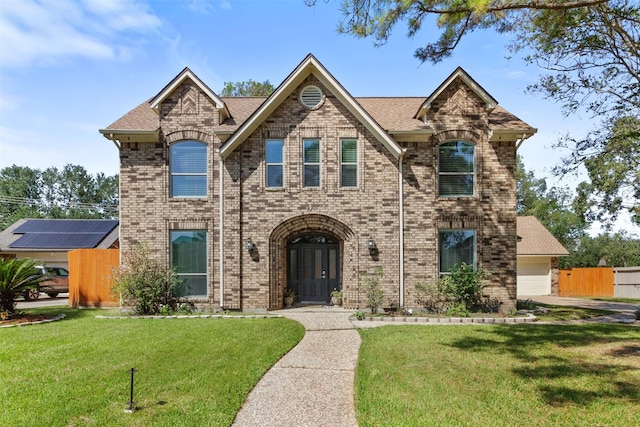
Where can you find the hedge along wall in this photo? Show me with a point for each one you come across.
(90, 277)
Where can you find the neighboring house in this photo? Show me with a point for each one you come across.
(49, 240)
(538, 254)
(311, 189)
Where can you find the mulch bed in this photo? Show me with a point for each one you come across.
(26, 318)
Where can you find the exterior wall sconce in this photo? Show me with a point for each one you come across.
(371, 245)
(250, 245)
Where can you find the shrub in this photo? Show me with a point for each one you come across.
(16, 276)
(429, 296)
(373, 290)
(145, 283)
(463, 285)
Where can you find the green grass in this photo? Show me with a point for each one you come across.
(190, 372)
(564, 313)
(618, 299)
(530, 375)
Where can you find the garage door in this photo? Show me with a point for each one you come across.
(534, 277)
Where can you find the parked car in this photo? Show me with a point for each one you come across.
(57, 282)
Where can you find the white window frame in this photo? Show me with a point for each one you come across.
(305, 163)
(453, 230)
(175, 174)
(356, 163)
(206, 273)
(472, 173)
(267, 164)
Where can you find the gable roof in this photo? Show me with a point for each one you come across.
(385, 116)
(310, 65)
(489, 101)
(177, 81)
(535, 239)
(59, 234)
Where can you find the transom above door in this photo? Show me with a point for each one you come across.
(313, 267)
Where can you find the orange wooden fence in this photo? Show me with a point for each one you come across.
(586, 282)
(90, 277)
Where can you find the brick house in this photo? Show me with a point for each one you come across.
(311, 189)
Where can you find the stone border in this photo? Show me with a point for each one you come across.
(449, 320)
(38, 322)
(198, 316)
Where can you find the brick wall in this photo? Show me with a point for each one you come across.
(270, 217)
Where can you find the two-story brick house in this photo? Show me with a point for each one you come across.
(311, 189)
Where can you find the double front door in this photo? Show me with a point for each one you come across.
(313, 268)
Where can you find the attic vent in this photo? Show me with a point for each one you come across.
(311, 97)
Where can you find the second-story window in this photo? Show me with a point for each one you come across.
(456, 169)
(311, 162)
(275, 162)
(349, 163)
(188, 164)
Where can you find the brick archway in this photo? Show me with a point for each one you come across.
(291, 228)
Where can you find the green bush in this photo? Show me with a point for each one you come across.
(16, 276)
(463, 285)
(456, 294)
(373, 290)
(144, 283)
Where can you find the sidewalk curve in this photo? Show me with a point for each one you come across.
(312, 385)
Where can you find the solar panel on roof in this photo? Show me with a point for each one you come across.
(58, 240)
(66, 226)
(62, 234)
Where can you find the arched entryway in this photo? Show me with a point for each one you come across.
(307, 255)
(313, 267)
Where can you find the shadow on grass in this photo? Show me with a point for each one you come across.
(70, 313)
(549, 359)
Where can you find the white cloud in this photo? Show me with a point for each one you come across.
(37, 33)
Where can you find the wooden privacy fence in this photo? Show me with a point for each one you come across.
(90, 277)
(586, 282)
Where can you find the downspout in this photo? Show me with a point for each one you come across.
(221, 227)
(401, 224)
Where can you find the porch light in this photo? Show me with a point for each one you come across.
(371, 245)
(250, 245)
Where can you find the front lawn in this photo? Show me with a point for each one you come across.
(190, 372)
(529, 375)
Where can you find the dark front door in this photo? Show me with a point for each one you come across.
(313, 268)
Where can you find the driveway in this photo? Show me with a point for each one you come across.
(583, 302)
(44, 301)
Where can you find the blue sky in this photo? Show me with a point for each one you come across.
(71, 67)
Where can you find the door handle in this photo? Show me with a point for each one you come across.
(324, 274)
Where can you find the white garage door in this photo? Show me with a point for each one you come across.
(534, 276)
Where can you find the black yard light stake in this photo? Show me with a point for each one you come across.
(132, 404)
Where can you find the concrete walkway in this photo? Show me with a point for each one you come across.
(312, 385)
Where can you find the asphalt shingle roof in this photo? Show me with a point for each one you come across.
(535, 239)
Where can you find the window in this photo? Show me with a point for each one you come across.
(349, 163)
(189, 258)
(456, 247)
(275, 162)
(188, 169)
(311, 161)
(456, 169)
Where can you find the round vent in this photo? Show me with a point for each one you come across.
(311, 97)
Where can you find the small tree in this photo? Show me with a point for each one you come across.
(373, 290)
(16, 276)
(463, 285)
(144, 283)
